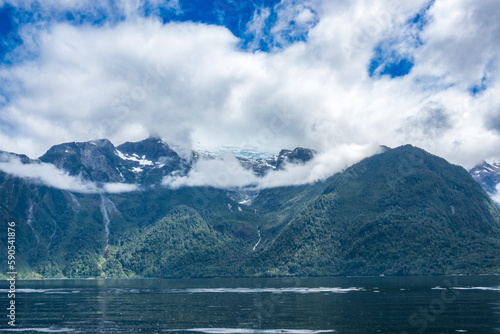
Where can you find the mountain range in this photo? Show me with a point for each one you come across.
(402, 211)
(148, 161)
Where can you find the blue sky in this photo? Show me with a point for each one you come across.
(235, 15)
(342, 77)
(232, 14)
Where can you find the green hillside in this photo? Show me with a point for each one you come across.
(401, 212)
(404, 212)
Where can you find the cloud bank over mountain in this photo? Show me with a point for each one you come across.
(49, 175)
(320, 74)
(226, 172)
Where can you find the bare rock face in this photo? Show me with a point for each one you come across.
(153, 149)
(298, 156)
(144, 162)
(95, 160)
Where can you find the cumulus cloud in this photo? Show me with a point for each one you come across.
(49, 175)
(194, 86)
(227, 172)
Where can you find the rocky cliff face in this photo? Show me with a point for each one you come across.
(93, 161)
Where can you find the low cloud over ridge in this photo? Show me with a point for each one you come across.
(194, 85)
(227, 172)
(47, 174)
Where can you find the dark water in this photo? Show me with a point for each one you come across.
(308, 305)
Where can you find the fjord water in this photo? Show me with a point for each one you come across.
(455, 304)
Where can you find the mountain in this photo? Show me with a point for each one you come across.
(151, 160)
(488, 175)
(148, 161)
(96, 160)
(261, 164)
(403, 212)
(144, 162)
(6, 156)
(400, 212)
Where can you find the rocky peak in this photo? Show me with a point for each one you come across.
(94, 160)
(7, 156)
(299, 155)
(153, 149)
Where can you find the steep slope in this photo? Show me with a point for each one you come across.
(181, 244)
(403, 212)
(144, 162)
(57, 233)
(60, 234)
(94, 161)
(151, 160)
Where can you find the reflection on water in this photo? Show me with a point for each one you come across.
(193, 290)
(285, 305)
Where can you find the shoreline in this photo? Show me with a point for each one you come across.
(222, 278)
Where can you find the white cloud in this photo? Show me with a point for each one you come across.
(460, 43)
(227, 172)
(496, 196)
(51, 176)
(193, 86)
(305, 16)
(220, 173)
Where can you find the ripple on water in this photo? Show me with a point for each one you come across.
(39, 330)
(250, 331)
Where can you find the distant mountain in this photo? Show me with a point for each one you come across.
(7, 156)
(151, 149)
(261, 166)
(401, 212)
(488, 175)
(95, 161)
(151, 160)
(148, 161)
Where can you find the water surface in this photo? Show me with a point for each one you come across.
(464, 304)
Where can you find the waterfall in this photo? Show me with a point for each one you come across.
(76, 205)
(258, 242)
(29, 220)
(104, 211)
(52, 237)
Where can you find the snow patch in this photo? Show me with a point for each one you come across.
(134, 157)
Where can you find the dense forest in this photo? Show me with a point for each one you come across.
(401, 212)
